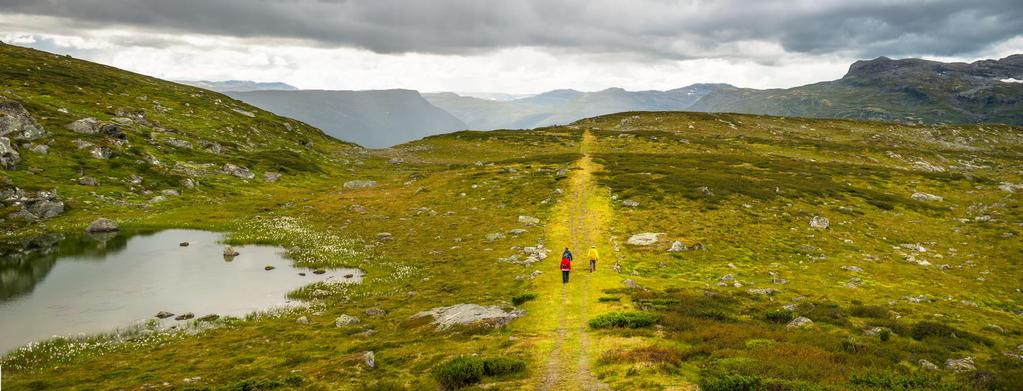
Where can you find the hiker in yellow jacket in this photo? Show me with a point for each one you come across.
(592, 255)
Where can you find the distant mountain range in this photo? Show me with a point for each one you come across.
(909, 90)
(238, 85)
(375, 119)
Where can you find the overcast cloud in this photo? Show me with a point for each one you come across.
(513, 46)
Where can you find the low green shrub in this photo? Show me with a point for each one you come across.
(465, 371)
(626, 319)
(459, 372)
(779, 316)
(731, 382)
(522, 298)
(605, 299)
(869, 311)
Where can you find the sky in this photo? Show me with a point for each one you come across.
(520, 46)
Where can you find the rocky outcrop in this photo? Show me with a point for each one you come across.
(9, 157)
(469, 314)
(819, 222)
(17, 123)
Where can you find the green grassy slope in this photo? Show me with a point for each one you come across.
(170, 133)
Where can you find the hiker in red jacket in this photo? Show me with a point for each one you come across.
(566, 266)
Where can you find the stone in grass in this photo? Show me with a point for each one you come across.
(926, 197)
(528, 220)
(185, 316)
(801, 322)
(643, 239)
(630, 203)
(230, 252)
(375, 311)
(630, 283)
(466, 314)
(302, 320)
(345, 320)
(370, 359)
(385, 236)
(359, 184)
(677, 246)
(819, 222)
(102, 225)
(164, 315)
(762, 291)
(924, 364)
(960, 365)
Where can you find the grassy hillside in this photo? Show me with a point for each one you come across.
(917, 265)
(150, 139)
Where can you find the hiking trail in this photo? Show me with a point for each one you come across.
(565, 345)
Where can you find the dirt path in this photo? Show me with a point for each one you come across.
(569, 349)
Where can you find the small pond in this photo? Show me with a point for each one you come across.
(53, 285)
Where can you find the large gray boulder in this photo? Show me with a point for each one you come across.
(46, 208)
(102, 225)
(17, 123)
(9, 157)
(469, 314)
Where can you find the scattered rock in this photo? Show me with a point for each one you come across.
(494, 237)
(762, 291)
(960, 365)
(268, 267)
(465, 314)
(698, 247)
(375, 312)
(302, 320)
(113, 131)
(271, 176)
(9, 157)
(529, 220)
(319, 271)
(630, 283)
(925, 197)
(17, 123)
(819, 222)
(359, 184)
(164, 315)
(924, 364)
(178, 143)
(876, 331)
(643, 239)
(800, 323)
(102, 225)
(854, 269)
(84, 126)
(677, 246)
(40, 149)
(370, 359)
(345, 320)
(230, 252)
(87, 181)
(705, 191)
(630, 203)
(101, 153)
(517, 231)
(185, 316)
(384, 237)
(237, 171)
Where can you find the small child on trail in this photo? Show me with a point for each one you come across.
(592, 255)
(566, 266)
(567, 254)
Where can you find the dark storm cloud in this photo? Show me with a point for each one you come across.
(658, 28)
